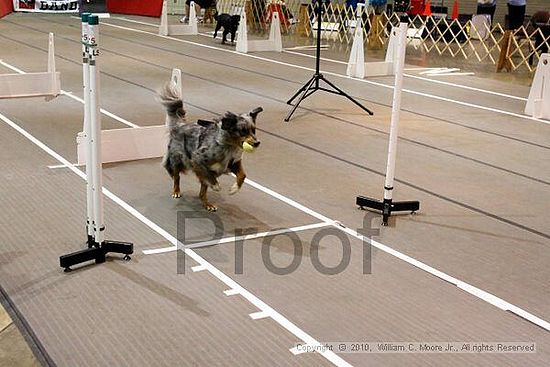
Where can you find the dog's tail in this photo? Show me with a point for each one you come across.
(170, 98)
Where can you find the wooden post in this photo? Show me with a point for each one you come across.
(504, 61)
(304, 27)
(250, 16)
(375, 33)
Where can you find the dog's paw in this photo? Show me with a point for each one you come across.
(176, 195)
(216, 187)
(234, 189)
(210, 207)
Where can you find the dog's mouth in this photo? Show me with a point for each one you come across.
(252, 142)
(249, 145)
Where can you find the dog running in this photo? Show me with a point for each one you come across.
(208, 148)
(230, 24)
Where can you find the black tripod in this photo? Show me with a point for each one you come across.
(313, 84)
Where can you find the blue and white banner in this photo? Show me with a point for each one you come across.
(46, 6)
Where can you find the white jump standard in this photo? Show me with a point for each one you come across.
(98, 247)
(357, 67)
(387, 206)
(538, 103)
(273, 43)
(190, 29)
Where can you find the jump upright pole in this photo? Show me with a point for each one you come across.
(87, 132)
(387, 206)
(98, 247)
(95, 129)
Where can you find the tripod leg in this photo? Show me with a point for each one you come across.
(310, 92)
(306, 88)
(342, 93)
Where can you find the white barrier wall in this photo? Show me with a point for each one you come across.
(33, 84)
(119, 145)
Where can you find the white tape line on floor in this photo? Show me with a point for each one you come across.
(232, 239)
(277, 317)
(71, 95)
(427, 95)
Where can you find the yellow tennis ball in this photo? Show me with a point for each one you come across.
(247, 147)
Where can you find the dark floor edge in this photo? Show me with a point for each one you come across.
(23, 326)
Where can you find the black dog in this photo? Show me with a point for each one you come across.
(230, 24)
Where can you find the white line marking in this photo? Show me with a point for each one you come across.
(56, 166)
(231, 292)
(162, 250)
(465, 87)
(70, 95)
(103, 111)
(305, 48)
(471, 289)
(136, 21)
(198, 268)
(490, 109)
(440, 70)
(17, 70)
(410, 69)
(452, 74)
(428, 79)
(486, 296)
(239, 238)
(342, 62)
(490, 298)
(479, 293)
(313, 57)
(258, 315)
(277, 317)
(296, 351)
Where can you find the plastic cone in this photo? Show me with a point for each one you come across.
(427, 8)
(455, 10)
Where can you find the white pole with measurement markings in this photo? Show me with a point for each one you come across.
(87, 130)
(95, 128)
(98, 247)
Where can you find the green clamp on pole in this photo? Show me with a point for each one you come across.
(92, 19)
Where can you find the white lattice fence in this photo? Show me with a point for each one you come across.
(474, 41)
(524, 51)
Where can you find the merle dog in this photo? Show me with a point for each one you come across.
(230, 24)
(208, 148)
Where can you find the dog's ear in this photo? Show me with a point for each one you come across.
(229, 120)
(255, 112)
